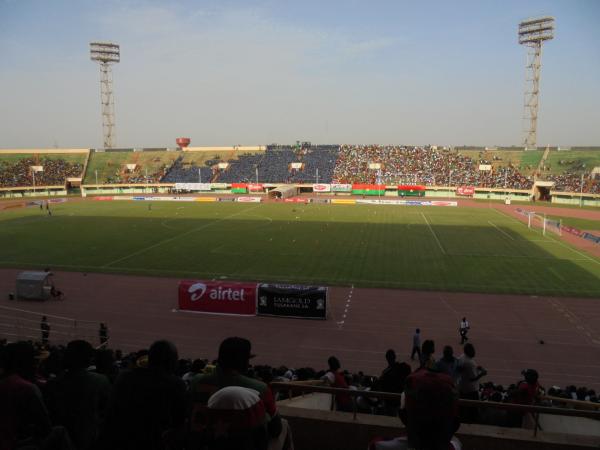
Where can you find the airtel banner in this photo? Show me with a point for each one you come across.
(465, 190)
(217, 297)
(321, 188)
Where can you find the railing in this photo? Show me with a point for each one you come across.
(534, 410)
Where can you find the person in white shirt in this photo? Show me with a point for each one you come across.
(464, 329)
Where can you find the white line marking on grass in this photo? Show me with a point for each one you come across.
(501, 230)
(553, 239)
(576, 251)
(434, 235)
(177, 236)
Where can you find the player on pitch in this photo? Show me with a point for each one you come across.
(464, 329)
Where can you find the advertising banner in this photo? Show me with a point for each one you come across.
(206, 199)
(284, 300)
(295, 200)
(343, 201)
(219, 185)
(102, 198)
(192, 186)
(254, 187)
(485, 167)
(341, 188)
(591, 237)
(572, 230)
(223, 297)
(321, 188)
(248, 199)
(468, 191)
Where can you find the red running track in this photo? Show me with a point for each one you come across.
(506, 329)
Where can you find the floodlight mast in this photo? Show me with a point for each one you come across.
(532, 33)
(106, 53)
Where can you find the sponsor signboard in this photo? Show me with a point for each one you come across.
(217, 297)
(296, 165)
(591, 237)
(193, 186)
(219, 185)
(341, 188)
(321, 188)
(443, 203)
(206, 199)
(295, 200)
(465, 190)
(283, 300)
(248, 199)
(485, 167)
(102, 198)
(343, 201)
(254, 187)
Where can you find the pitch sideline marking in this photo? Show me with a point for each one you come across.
(434, 235)
(177, 236)
(501, 230)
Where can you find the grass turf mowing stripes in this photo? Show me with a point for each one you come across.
(459, 249)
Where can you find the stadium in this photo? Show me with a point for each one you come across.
(306, 276)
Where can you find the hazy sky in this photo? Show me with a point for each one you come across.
(236, 72)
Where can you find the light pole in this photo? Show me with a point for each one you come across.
(449, 181)
(199, 175)
(106, 54)
(581, 193)
(96, 171)
(256, 174)
(33, 174)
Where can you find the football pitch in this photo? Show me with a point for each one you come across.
(410, 247)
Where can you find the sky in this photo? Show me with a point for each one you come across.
(253, 73)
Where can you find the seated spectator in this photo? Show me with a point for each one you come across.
(431, 410)
(427, 358)
(78, 399)
(237, 419)
(448, 364)
(24, 420)
(334, 377)
(233, 362)
(392, 379)
(148, 405)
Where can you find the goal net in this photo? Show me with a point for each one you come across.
(541, 221)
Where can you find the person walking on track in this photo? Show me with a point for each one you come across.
(416, 348)
(464, 329)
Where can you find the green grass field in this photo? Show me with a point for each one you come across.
(439, 248)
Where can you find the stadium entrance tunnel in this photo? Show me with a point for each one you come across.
(283, 192)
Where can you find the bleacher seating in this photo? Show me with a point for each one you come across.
(54, 173)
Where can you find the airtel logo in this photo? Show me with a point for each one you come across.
(218, 293)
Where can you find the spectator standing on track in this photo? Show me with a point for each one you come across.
(45, 329)
(103, 333)
(416, 347)
(464, 329)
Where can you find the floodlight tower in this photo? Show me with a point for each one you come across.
(532, 33)
(106, 53)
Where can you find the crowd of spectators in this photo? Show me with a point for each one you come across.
(75, 396)
(572, 182)
(54, 173)
(188, 173)
(140, 174)
(421, 165)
